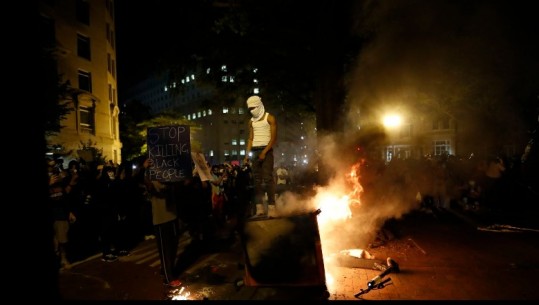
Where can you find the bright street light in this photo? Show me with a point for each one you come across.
(391, 120)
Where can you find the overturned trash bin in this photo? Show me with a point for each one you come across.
(284, 251)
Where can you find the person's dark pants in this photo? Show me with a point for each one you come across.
(166, 235)
(109, 230)
(281, 188)
(263, 176)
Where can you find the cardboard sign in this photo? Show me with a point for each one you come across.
(201, 166)
(169, 149)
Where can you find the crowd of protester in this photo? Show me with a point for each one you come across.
(491, 187)
(104, 205)
(106, 208)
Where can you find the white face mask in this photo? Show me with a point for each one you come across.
(258, 107)
(257, 112)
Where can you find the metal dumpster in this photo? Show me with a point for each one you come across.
(284, 251)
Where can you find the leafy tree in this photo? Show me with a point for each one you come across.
(96, 154)
(298, 51)
(138, 132)
(473, 61)
(130, 133)
(56, 94)
(278, 39)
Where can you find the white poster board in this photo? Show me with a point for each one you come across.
(201, 166)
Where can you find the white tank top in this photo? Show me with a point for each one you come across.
(261, 132)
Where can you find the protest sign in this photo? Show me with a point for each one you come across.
(201, 166)
(169, 149)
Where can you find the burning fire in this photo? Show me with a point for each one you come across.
(179, 294)
(335, 202)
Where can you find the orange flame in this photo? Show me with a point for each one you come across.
(179, 294)
(336, 199)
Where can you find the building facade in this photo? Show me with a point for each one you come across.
(224, 129)
(84, 46)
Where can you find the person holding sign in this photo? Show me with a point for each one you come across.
(164, 197)
(262, 137)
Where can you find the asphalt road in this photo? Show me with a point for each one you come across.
(442, 256)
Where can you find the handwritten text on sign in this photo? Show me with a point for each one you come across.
(169, 149)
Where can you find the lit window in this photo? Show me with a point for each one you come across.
(234, 152)
(209, 112)
(256, 91)
(442, 147)
(242, 152)
(255, 81)
(208, 71)
(242, 141)
(224, 78)
(211, 153)
(192, 76)
(226, 153)
(234, 142)
(241, 111)
(223, 68)
(189, 117)
(203, 112)
(199, 114)
(225, 109)
(166, 88)
(86, 119)
(231, 79)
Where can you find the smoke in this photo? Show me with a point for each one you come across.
(460, 58)
(451, 57)
(468, 59)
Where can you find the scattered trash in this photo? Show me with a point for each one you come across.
(506, 228)
(354, 258)
(359, 253)
(378, 282)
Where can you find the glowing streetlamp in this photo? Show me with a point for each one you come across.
(391, 122)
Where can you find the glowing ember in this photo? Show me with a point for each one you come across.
(179, 294)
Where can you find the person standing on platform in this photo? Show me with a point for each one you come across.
(262, 137)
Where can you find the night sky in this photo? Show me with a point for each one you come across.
(413, 45)
(146, 31)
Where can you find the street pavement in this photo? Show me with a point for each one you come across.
(441, 254)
